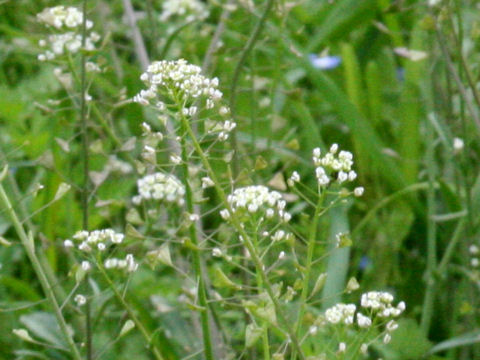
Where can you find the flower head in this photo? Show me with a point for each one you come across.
(256, 200)
(180, 80)
(67, 22)
(160, 186)
(189, 9)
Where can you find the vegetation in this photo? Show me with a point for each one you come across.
(239, 179)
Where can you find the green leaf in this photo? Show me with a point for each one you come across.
(129, 325)
(252, 334)
(458, 341)
(44, 326)
(221, 280)
(409, 341)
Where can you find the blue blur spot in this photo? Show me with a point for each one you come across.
(325, 62)
(401, 74)
(364, 262)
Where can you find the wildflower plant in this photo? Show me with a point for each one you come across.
(242, 253)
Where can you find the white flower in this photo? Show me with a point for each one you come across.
(381, 303)
(342, 347)
(86, 266)
(131, 264)
(358, 191)
(342, 176)
(279, 235)
(387, 338)
(225, 214)
(258, 199)
(474, 262)
(160, 186)
(281, 256)
(391, 326)
(458, 145)
(224, 110)
(193, 217)
(111, 263)
(175, 159)
(207, 182)
(363, 321)
(180, 78)
(294, 178)
(364, 349)
(80, 299)
(341, 313)
(473, 249)
(332, 163)
(68, 243)
(189, 9)
(216, 252)
(68, 20)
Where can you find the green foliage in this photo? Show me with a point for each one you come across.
(381, 102)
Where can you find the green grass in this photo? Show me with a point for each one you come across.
(411, 230)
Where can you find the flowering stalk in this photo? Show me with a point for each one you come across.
(265, 341)
(308, 267)
(86, 164)
(248, 243)
(202, 293)
(28, 244)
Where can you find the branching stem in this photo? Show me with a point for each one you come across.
(28, 243)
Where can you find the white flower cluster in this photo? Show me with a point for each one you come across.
(341, 313)
(128, 263)
(189, 9)
(177, 78)
(378, 304)
(381, 303)
(98, 239)
(160, 186)
(333, 167)
(257, 199)
(69, 21)
(61, 17)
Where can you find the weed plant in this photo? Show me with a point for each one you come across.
(239, 179)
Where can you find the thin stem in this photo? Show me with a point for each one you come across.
(197, 265)
(86, 166)
(427, 312)
(28, 244)
(456, 77)
(213, 46)
(146, 335)
(265, 341)
(308, 266)
(236, 75)
(251, 249)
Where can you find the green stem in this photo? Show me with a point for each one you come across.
(86, 166)
(146, 335)
(427, 312)
(202, 293)
(248, 243)
(308, 266)
(236, 75)
(265, 341)
(28, 244)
